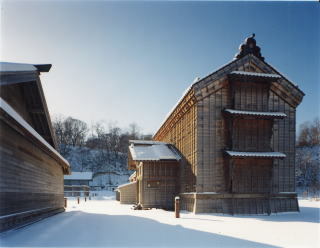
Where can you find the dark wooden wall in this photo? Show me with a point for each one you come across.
(13, 94)
(158, 184)
(283, 140)
(30, 179)
(251, 175)
(212, 140)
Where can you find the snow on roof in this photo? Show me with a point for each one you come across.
(126, 184)
(16, 67)
(255, 74)
(145, 142)
(242, 112)
(133, 175)
(256, 154)
(154, 151)
(79, 176)
(10, 111)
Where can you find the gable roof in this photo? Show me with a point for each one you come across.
(232, 67)
(18, 119)
(25, 79)
(152, 151)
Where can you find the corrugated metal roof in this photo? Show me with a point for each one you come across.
(153, 151)
(255, 113)
(79, 176)
(256, 154)
(255, 74)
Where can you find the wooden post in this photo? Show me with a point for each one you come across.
(78, 200)
(65, 202)
(85, 198)
(177, 206)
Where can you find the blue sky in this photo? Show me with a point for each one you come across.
(131, 61)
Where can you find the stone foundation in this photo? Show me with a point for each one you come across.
(239, 203)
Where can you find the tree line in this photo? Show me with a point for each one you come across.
(308, 157)
(71, 132)
(112, 142)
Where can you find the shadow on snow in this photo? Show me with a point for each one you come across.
(78, 229)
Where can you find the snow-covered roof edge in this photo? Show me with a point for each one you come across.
(12, 67)
(255, 154)
(242, 112)
(10, 111)
(256, 74)
(79, 176)
(145, 142)
(126, 184)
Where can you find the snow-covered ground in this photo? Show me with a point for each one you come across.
(103, 222)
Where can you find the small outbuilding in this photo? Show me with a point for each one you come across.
(31, 169)
(156, 164)
(77, 184)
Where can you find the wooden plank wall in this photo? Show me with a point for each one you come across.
(13, 95)
(183, 135)
(29, 178)
(283, 140)
(251, 176)
(159, 184)
(211, 132)
(128, 194)
(251, 135)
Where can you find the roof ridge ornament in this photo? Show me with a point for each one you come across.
(249, 47)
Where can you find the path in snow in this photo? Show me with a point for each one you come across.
(104, 222)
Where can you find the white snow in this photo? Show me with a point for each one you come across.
(156, 152)
(256, 74)
(104, 222)
(126, 184)
(79, 176)
(256, 154)
(133, 175)
(145, 142)
(16, 67)
(10, 111)
(241, 112)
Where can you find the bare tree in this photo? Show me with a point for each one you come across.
(309, 134)
(69, 132)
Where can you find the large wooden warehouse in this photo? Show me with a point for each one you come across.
(235, 129)
(31, 170)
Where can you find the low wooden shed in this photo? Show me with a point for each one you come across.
(156, 164)
(77, 184)
(31, 170)
(128, 193)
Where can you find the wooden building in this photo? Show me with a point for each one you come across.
(156, 165)
(77, 184)
(31, 170)
(235, 129)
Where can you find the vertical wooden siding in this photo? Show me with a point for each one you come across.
(211, 132)
(283, 140)
(183, 134)
(158, 184)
